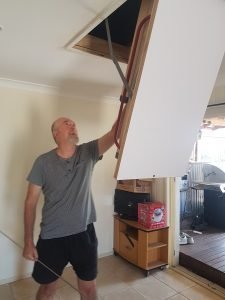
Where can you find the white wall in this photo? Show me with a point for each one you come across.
(26, 117)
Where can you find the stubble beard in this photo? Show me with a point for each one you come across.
(74, 140)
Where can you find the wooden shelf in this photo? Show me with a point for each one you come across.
(136, 225)
(145, 249)
(156, 245)
(156, 264)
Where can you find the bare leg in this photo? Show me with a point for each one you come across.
(47, 291)
(87, 289)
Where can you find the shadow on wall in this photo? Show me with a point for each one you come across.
(81, 101)
(92, 91)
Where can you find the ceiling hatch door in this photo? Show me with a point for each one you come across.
(94, 12)
(183, 57)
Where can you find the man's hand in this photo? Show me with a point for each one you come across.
(107, 140)
(30, 252)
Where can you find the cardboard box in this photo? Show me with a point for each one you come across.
(135, 186)
(152, 215)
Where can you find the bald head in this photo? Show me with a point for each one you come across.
(64, 130)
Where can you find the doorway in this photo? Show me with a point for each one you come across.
(202, 207)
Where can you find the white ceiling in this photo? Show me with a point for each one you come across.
(33, 44)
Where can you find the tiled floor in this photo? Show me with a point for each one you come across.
(119, 280)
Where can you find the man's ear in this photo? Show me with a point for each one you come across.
(54, 134)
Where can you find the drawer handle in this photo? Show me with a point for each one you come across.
(128, 247)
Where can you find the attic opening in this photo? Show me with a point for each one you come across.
(122, 24)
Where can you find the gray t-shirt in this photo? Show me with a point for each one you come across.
(66, 185)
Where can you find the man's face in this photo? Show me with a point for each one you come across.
(65, 130)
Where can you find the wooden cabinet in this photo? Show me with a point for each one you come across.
(146, 248)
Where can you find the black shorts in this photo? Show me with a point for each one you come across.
(79, 249)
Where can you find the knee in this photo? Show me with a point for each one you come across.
(47, 290)
(88, 292)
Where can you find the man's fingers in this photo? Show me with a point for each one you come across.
(31, 255)
(35, 254)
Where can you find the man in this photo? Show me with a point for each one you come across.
(67, 232)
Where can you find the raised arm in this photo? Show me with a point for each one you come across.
(107, 140)
(33, 194)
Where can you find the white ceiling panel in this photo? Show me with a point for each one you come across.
(33, 43)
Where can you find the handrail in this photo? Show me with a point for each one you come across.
(123, 97)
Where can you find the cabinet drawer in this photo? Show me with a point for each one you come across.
(128, 247)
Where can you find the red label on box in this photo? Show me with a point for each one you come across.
(152, 215)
